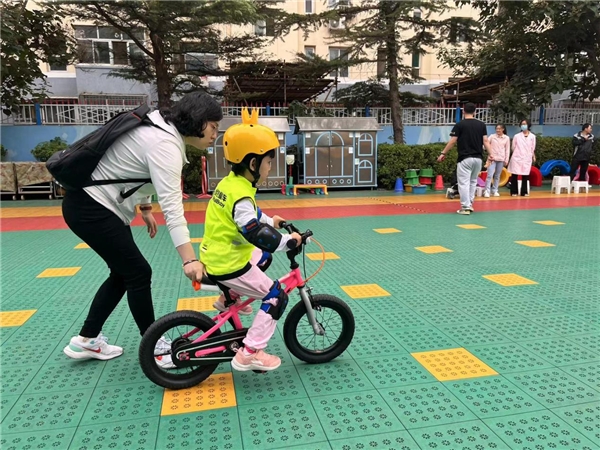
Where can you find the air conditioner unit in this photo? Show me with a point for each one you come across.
(338, 24)
(333, 4)
(260, 28)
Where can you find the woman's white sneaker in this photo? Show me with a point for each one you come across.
(92, 348)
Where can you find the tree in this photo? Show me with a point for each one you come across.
(380, 31)
(28, 38)
(542, 48)
(169, 34)
(373, 93)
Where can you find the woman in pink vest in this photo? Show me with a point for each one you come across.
(523, 156)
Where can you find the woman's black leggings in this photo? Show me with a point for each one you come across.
(514, 184)
(112, 240)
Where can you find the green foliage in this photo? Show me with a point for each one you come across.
(372, 93)
(3, 152)
(45, 150)
(28, 38)
(297, 109)
(192, 172)
(394, 159)
(540, 47)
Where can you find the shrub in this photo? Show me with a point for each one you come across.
(192, 172)
(45, 150)
(3, 152)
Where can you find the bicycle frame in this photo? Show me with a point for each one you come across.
(290, 281)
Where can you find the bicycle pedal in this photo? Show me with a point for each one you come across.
(260, 371)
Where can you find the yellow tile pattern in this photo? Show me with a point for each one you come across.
(470, 226)
(365, 291)
(535, 243)
(197, 303)
(319, 256)
(59, 272)
(15, 318)
(196, 240)
(82, 245)
(453, 364)
(216, 392)
(431, 249)
(386, 230)
(509, 279)
(548, 222)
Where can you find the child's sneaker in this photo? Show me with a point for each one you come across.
(162, 354)
(92, 348)
(255, 361)
(463, 212)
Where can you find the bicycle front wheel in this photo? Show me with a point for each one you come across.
(337, 321)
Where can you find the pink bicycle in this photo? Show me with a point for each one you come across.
(316, 330)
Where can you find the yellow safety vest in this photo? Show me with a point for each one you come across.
(224, 250)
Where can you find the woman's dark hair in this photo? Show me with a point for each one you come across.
(191, 114)
(527, 121)
(585, 125)
(502, 126)
(240, 168)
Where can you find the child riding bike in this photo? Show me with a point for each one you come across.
(239, 239)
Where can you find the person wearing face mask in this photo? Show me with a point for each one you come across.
(101, 218)
(583, 143)
(523, 154)
(497, 159)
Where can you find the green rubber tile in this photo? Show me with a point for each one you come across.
(423, 339)
(390, 441)
(276, 346)
(136, 434)
(278, 385)
(566, 325)
(66, 376)
(530, 308)
(15, 379)
(554, 388)
(487, 312)
(588, 373)
(355, 414)
(394, 370)
(473, 333)
(27, 354)
(336, 377)
(122, 370)
(6, 404)
(562, 352)
(538, 430)
(446, 315)
(364, 322)
(398, 318)
(471, 435)
(584, 418)
(6, 332)
(520, 330)
(423, 301)
(425, 405)
(373, 344)
(50, 439)
(280, 424)
(589, 341)
(493, 397)
(209, 430)
(56, 410)
(589, 316)
(508, 358)
(124, 402)
(572, 303)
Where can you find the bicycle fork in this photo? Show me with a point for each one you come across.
(304, 292)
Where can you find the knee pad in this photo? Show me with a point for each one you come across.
(265, 261)
(275, 311)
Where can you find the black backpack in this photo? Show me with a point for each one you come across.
(72, 168)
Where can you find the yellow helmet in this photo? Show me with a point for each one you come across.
(248, 137)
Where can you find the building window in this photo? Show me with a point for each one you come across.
(456, 35)
(106, 45)
(57, 67)
(265, 27)
(341, 54)
(416, 64)
(201, 62)
(381, 62)
(309, 6)
(417, 13)
(310, 51)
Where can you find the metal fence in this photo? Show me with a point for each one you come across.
(76, 114)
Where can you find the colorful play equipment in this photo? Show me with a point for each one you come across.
(399, 185)
(504, 177)
(439, 183)
(552, 164)
(317, 189)
(594, 175)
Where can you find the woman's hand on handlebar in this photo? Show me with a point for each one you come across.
(194, 270)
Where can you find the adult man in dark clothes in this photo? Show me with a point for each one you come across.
(471, 136)
(583, 143)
